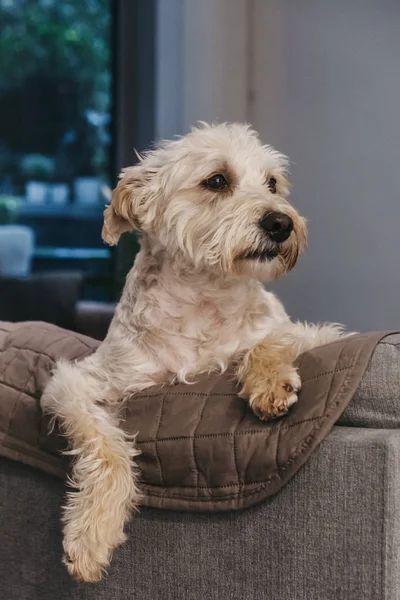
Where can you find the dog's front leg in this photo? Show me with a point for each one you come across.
(270, 381)
(103, 475)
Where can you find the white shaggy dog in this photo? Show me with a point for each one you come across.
(214, 219)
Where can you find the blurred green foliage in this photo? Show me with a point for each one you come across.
(8, 209)
(37, 167)
(58, 37)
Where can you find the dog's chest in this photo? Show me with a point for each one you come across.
(210, 335)
(181, 331)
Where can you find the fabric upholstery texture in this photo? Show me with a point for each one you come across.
(201, 446)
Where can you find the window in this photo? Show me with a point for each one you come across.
(56, 99)
(76, 96)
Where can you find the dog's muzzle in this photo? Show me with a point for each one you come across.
(277, 226)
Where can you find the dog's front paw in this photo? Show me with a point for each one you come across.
(275, 393)
(269, 382)
(84, 564)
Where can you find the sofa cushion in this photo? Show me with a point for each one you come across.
(376, 403)
(202, 447)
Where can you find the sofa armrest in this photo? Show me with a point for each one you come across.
(333, 533)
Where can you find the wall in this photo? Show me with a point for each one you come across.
(321, 81)
(202, 63)
(169, 68)
(336, 113)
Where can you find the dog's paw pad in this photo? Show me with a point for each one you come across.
(276, 397)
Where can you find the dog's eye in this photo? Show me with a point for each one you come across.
(271, 183)
(216, 182)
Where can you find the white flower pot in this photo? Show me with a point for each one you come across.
(36, 192)
(59, 194)
(87, 191)
(17, 244)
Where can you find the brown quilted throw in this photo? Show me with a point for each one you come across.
(202, 447)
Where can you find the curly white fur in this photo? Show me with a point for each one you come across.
(192, 303)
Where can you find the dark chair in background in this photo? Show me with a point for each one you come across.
(54, 298)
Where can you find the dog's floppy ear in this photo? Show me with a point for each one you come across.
(123, 214)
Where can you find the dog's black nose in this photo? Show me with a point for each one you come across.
(277, 225)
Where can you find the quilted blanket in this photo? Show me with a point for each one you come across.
(202, 448)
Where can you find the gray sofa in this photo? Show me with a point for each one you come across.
(333, 533)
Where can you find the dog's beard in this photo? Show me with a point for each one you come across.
(260, 262)
(267, 260)
(261, 254)
(286, 253)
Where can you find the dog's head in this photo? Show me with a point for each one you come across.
(216, 198)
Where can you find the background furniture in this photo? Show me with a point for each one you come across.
(54, 298)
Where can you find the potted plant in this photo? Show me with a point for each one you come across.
(37, 171)
(8, 209)
(86, 150)
(16, 241)
(87, 188)
(59, 193)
